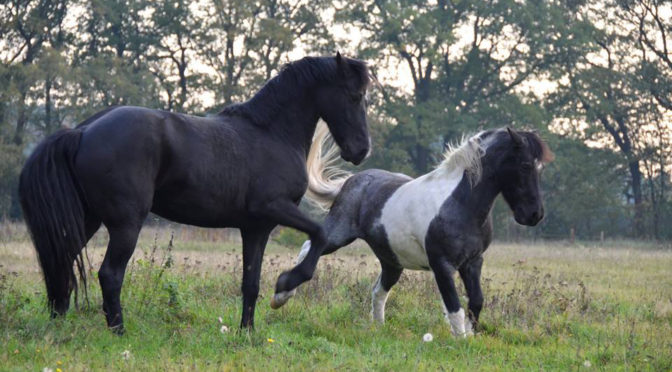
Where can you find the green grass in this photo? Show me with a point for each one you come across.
(548, 306)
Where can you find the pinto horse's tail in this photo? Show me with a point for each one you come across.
(325, 179)
(53, 209)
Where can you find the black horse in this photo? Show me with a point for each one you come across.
(244, 168)
(440, 221)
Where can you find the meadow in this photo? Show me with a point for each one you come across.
(548, 306)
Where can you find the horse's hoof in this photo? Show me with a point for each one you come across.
(281, 298)
(275, 304)
(118, 330)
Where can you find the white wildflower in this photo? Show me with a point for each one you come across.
(47, 369)
(220, 320)
(126, 355)
(224, 329)
(587, 364)
(427, 337)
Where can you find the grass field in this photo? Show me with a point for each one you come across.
(549, 306)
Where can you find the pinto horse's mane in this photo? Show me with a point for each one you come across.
(469, 152)
(292, 79)
(466, 154)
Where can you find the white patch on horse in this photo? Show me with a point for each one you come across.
(457, 323)
(468, 327)
(378, 299)
(408, 212)
(305, 248)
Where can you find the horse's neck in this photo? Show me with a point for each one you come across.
(434, 188)
(294, 120)
(478, 199)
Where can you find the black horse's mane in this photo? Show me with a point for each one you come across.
(294, 77)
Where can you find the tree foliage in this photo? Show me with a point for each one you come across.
(594, 78)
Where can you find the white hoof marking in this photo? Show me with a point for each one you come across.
(457, 326)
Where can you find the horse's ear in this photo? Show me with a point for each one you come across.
(547, 155)
(340, 64)
(515, 137)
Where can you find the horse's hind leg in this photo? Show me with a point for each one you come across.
(387, 278)
(111, 274)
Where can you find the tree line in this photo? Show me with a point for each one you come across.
(594, 78)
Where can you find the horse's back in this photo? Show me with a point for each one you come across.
(128, 155)
(361, 200)
(122, 140)
(370, 188)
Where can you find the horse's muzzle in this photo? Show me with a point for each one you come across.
(356, 158)
(531, 218)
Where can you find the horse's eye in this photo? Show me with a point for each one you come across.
(357, 97)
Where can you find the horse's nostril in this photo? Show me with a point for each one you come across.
(537, 216)
(361, 154)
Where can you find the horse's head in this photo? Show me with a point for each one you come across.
(519, 169)
(342, 105)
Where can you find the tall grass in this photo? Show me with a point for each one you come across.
(549, 307)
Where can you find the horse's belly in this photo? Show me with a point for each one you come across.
(409, 252)
(189, 208)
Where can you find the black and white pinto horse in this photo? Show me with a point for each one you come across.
(244, 168)
(440, 221)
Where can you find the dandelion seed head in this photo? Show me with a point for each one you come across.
(224, 329)
(126, 355)
(587, 364)
(427, 337)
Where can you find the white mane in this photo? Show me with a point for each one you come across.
(467, 154)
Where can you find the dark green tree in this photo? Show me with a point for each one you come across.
(467, 61)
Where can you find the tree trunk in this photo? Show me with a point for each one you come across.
(183, 85)
(636, 179)
(2, 112)
(21, 120)
(421, 151)
(421, 158)
(47, 106)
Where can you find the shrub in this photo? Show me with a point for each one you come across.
(290, 237)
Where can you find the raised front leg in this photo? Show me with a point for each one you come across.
(470, 273)
(254, 244)
(339, 231)
(286, 213)
(443, 273)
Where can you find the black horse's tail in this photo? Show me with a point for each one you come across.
(54, 210)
